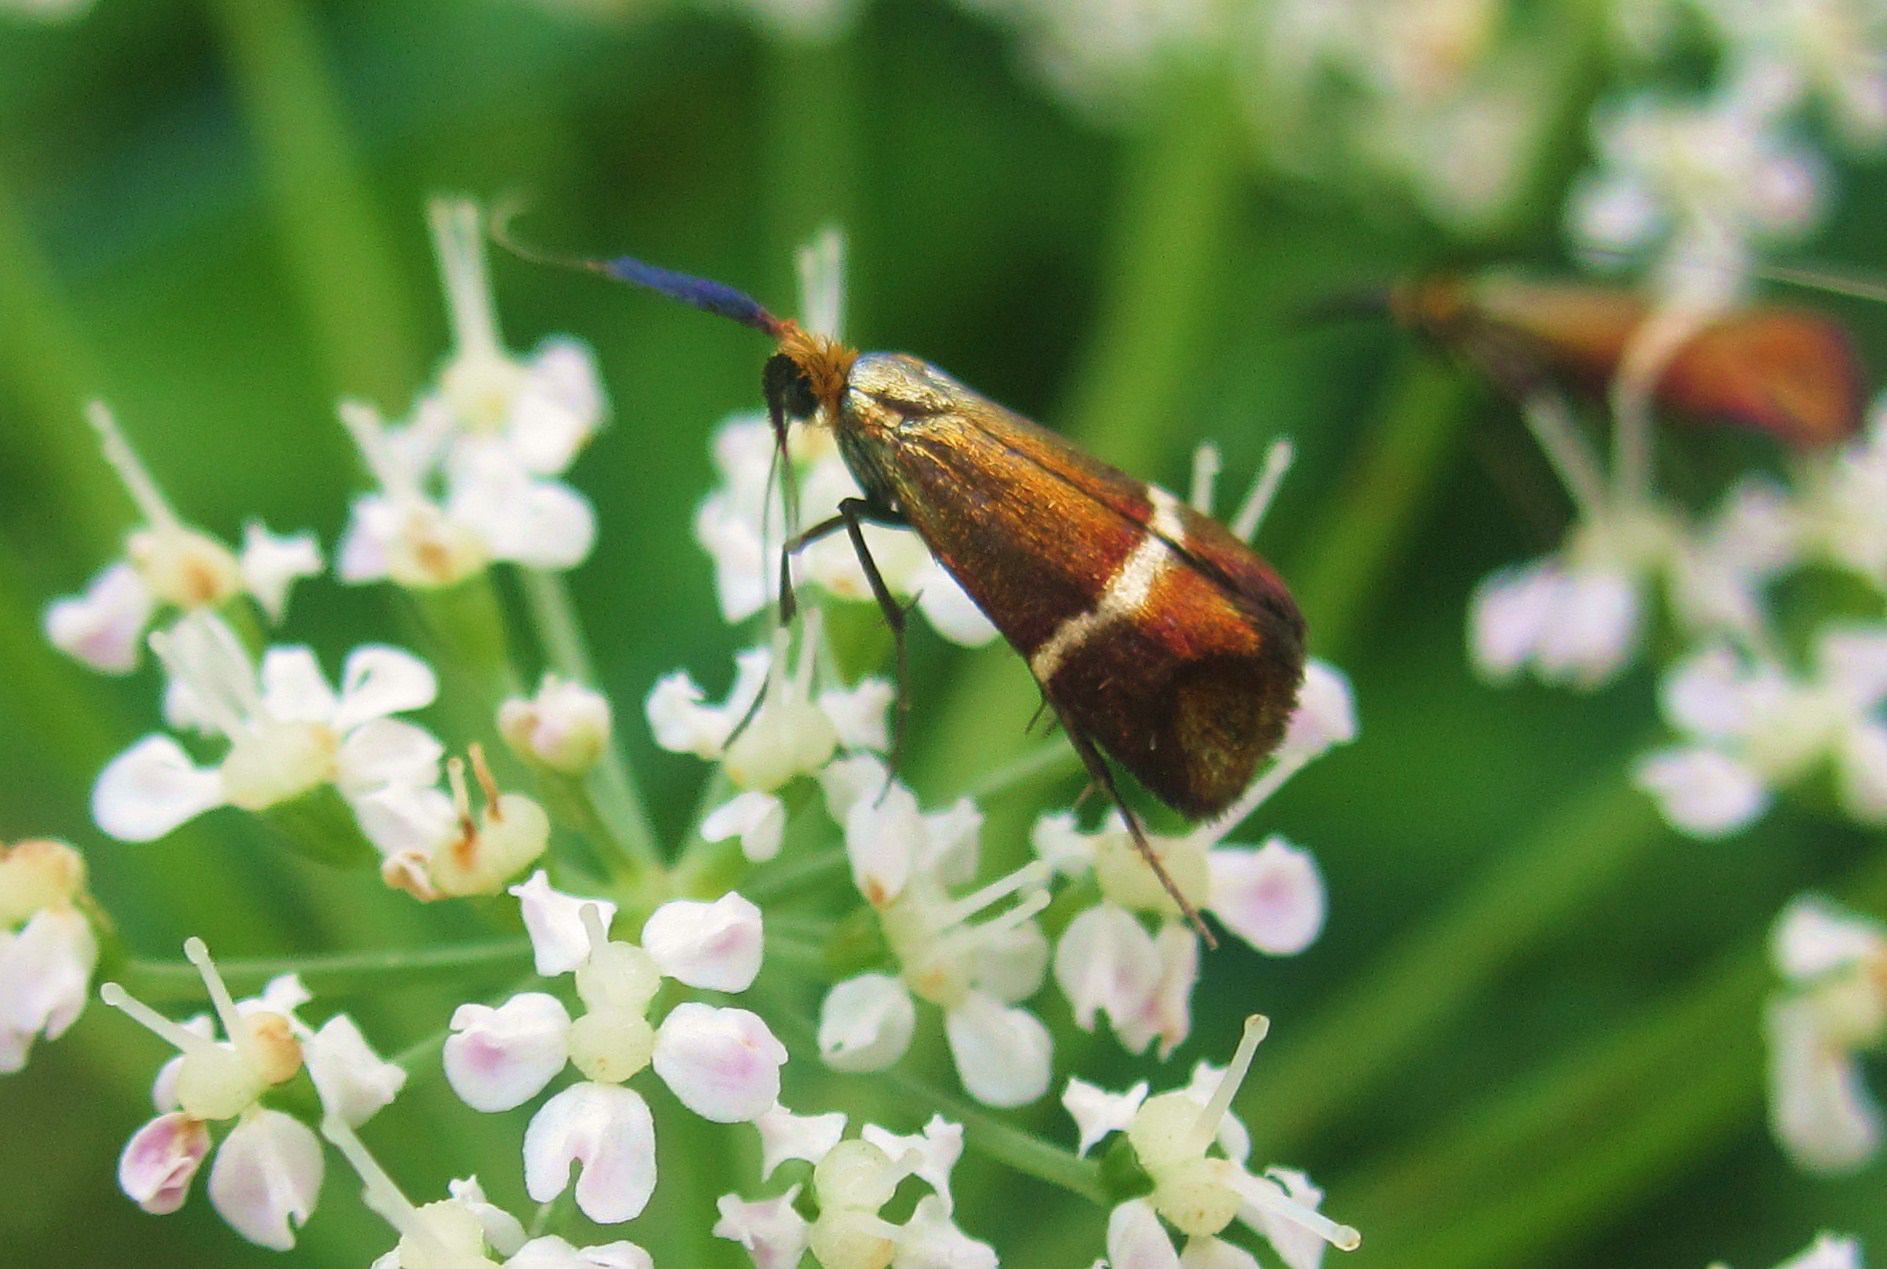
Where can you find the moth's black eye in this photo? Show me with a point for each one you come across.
(787, 388)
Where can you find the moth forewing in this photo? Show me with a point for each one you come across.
(1151, 629)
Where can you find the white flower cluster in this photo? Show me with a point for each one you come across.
(472, 476)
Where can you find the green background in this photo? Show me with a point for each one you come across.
(1529, 1035)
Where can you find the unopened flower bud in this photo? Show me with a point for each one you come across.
(566, 726)
(35, 874)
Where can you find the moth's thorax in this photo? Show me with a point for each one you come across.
(885, 394)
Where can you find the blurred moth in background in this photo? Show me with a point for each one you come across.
(1154, 633)
(1789, 372)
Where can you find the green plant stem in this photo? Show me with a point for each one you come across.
(337, 249)
(1004, 1143)
(812, 144)
(1371, 517)
(331, 973)
(617, 795)
(1560, 1150)
(1357, 1041)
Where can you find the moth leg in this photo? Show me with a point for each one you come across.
(1103, 778)
(854, 512)
(789, 603)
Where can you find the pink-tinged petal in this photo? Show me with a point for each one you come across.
(1098, 1112)
(949, 608)
(929, 1156)
(773, 1233)
(554, 920)
(1814, 937)
(293, 687)
(499, 1058)
(1105, 964)
(387, 751)
(1708, 695)
(373, 526)
(1002, 1054)
(1507, 617)
(266, 1177)
(152, 788)
(1135, 1239)
(103, 627)
(378, 681)
(931, 1240)
(1166, 1011)
(1701, 791)
(161, 1160)
(866, 1023)
(1593, 629)
(1272, 897)
(353, 1080)
(758, 819)
(608, 1132)
(1819, 1105)
(554, 1253)
(1215, 1253)
(45, 978)
(1326, 712)
(724, 1064)
(714, 946)
(271, 565)
(784, 1135)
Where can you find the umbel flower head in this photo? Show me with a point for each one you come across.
(853, 1179)
(286, 732)
(722, 1063)
(1832, 1009)
(1193, 1151)
(168, 567)
(48, 948)
(269, 1166)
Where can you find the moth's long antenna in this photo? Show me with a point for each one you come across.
(703, 293)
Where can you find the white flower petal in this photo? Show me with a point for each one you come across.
(1326, 711)
(386, 751)
(1507, 617)
(858, 714)
(1097, 1112)
(784, 1135)
(1057, 838)
(499, 1058)
(1135, 1239)
(266, 1177)
(608, 1131)
(1819, 1105)
(758, 819)
(554, 920)
(150, 789)
(949, 608)
(773, 1233)
(1592, 631)
(161, 1160)
(1701, 791)
(503, 1232)
(552, 1252)
(929, 1156)
(1827, 1252)
(866, 1023)
(1012, 964)
(293, 687)
(1708, 696)
(45, 979)
(271, 565)
(723, 1064)
(1105, 963)
(1215, 1253)
(1166, 1011)
(555, 528)
(558, 407)
(1861, 766)
(881, 834)
(845, 781)
(1813, 937)
(931, 1240)
(353, 1080)
(104, 626)
(714, 946)
(378, 681)
(1002, 1053)
(1272, 897)
(401, 820)
(680, 722)
(951, 846)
